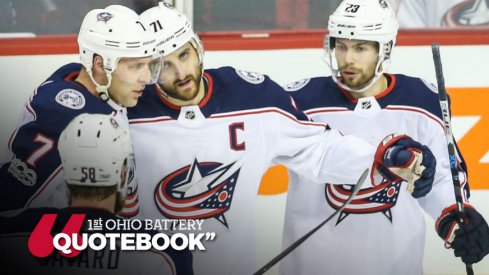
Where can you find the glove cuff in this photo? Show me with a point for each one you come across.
(447, 223)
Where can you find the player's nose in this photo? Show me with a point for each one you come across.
(179, 71)
(349, 56)
(145, 76)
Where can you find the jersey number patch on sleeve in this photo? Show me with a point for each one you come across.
(46, 147)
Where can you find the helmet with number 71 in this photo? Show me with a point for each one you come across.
(369, 20)
(173, 30)
(96, 151)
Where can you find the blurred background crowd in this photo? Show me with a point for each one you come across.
(42, 17)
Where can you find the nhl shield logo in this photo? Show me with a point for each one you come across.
(203, 190)
(366, 105)
(190, 114)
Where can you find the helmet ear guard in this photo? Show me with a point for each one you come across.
(369, 20)
(96, 151)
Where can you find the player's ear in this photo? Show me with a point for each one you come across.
(98, 64)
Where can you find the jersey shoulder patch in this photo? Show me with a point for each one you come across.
(70, 98)
(297, 85)
(251, 77)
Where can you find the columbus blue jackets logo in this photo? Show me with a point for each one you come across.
(468, 13)
(104, 16)
(202, 190)
(369, 200)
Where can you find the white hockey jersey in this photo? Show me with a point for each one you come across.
(382, 231)
(206, 161)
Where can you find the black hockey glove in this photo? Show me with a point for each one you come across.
(399, 157)
(470, 241)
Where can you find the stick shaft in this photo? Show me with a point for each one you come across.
(445, 110)
(289, 249)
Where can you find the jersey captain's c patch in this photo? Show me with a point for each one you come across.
(295, 86)
(70, 98)
(251, 77)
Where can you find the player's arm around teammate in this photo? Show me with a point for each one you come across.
(117, 57)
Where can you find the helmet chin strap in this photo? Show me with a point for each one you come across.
(103, 91)
(336, 72)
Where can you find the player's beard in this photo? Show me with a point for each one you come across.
(175, 92)
(362, 79)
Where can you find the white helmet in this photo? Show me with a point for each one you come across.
(113, 33)
(95, 151)
(370, 20)
(173, 29)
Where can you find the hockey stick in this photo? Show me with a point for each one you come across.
(445, 111)
(303, 238)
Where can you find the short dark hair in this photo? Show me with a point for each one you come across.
(89, 192)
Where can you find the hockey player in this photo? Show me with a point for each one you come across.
(96, 154)
(117, 60)
(204, 138)
(382, 231)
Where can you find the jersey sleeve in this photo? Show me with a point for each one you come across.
(315, 151)
(34, 166)
(32, 174)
